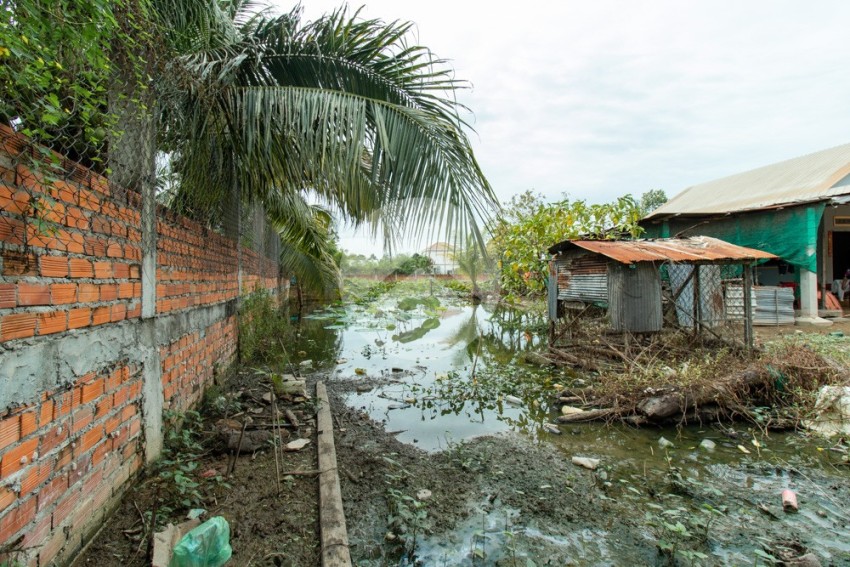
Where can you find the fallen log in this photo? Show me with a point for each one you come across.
(714, 400)
(720, 392)
(590, 415)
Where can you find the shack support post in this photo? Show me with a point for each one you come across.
(697, 306)
(748, 308)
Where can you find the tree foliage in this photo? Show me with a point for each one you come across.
(343, 108)
(651, 200)
(242, 105)
(528, 226)
(472, 261)
(57, 61)
(400, 264)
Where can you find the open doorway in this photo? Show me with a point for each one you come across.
(840, 253)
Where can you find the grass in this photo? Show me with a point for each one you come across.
(263, 329)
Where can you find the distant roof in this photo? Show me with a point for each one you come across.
(439, 247)
(695, 249)
(805, 179)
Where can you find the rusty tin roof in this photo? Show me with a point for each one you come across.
(692, 250)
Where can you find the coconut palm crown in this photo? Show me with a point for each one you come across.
(341, 111)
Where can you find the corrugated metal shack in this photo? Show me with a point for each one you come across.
(634, 279)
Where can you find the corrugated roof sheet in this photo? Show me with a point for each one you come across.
(795, 181)
(695, 249)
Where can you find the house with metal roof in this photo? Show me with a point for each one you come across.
(798, 209)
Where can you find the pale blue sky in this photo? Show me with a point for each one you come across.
(602, 98)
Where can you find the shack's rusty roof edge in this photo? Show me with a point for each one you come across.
(694, 249)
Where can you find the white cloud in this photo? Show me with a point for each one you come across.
(608, 97)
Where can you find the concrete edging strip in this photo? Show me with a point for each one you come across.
(335, 552)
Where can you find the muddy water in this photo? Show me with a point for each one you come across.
(402, 355)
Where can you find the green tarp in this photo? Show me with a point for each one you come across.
(790, 233)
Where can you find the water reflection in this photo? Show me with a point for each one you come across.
(439, 361)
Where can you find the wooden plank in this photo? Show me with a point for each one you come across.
(335, 551)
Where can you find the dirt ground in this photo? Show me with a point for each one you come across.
(267, 527)
(503, 501)
(768, 333)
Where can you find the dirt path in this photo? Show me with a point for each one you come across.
(267, 528)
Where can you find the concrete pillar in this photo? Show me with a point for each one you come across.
(233, 230)
(808, 279)
(148, 251)
(152, 397)
(808, 294)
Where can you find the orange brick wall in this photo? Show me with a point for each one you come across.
(258, 271)
(80, 268)
(195, 266)
(65, 457)
(68, 449)
(191, 362)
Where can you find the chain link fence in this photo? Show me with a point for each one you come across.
(98, 90)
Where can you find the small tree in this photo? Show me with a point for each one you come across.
(414, 264)
(651, 200)
(529, 226)
(472, 261)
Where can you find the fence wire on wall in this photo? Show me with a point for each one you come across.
(108, 90)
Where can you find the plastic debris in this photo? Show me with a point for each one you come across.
(552, 428)
(832, 412)
(570, 410)
(586, 462)
(208, 545)
(297, 445)
(789, 501)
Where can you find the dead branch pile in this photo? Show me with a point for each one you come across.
(666, 378)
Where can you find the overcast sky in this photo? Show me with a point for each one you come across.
(600, 98)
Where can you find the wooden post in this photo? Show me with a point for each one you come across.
(335, 551)
(748, 308)
(697, 307)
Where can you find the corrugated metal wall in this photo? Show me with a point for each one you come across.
(582, 277)
(634, 297)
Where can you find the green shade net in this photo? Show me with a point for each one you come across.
(791, 233)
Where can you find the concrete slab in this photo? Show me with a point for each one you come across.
(818, 321)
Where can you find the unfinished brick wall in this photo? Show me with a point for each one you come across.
(195, 266)
(85, 378)
(66, 457)
(191, 362)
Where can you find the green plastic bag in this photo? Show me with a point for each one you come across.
(208, 545)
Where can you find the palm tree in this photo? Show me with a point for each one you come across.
(342, 111)
(472, 261)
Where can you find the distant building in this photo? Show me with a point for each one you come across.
(442, 254)
(797, 209)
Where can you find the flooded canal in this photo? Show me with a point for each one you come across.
(438, 373)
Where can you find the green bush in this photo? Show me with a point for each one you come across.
(263, 328)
